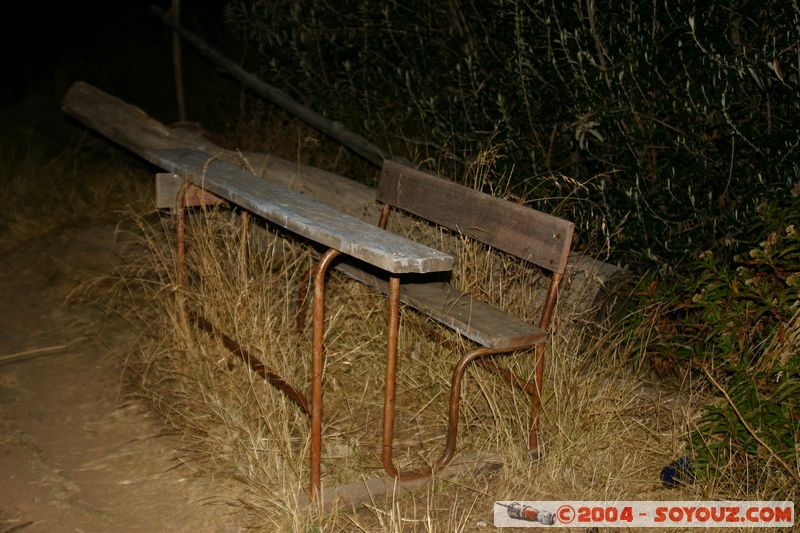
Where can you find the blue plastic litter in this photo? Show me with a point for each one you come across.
(678, 472)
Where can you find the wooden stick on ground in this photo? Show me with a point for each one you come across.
(29, 354)
(178, 63)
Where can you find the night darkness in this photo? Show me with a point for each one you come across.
(119, 47)
(676, 165)
(74, 443)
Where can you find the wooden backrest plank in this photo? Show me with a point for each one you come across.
(521, 231)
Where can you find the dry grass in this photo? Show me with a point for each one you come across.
(261, 127)
(602, 439)
(43, 190)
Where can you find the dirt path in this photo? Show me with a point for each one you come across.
(76, 452)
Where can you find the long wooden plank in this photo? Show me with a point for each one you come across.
(472, 318)
(303, 215)
(337, 191)
(532, 235)
(125, 124)
(587, 282)
(368, 491)
(130, 127)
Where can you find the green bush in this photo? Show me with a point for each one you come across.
(677, 124)
(676, 119)
(741, 327)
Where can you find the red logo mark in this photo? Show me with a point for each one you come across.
(566, 514)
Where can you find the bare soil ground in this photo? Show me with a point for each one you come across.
(77, 452)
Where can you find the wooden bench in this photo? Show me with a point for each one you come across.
(528, 234)
(304, 216)
(514, 229)
(531, 235)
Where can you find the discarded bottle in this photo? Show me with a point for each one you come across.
(678, 472)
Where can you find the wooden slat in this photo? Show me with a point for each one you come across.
(472, 318)
(526, 233)
(167, 187)
(303, 215)
(181, 154)
(370, 491)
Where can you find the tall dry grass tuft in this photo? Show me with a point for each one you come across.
(233, 422)
(42, 189)
(261, 127)
(603, 438)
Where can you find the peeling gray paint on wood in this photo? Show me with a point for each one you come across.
(476, 320)
(529, 234)
(303, 215)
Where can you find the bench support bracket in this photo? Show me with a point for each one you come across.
(452, 425)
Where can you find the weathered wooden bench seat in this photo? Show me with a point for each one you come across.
(303, 215)
(528, 234)
(473, 318)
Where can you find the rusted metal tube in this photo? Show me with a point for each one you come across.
(536, 400)
(302, 292)
(392, 335)
(455, 398)
(180, 235)
(453, 413)
(252, 361)
(550, 301)
(384, 216)
(244, 254)
(317, 368)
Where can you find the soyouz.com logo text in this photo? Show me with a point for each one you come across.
(644, 514)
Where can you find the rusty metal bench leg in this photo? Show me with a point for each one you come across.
(393, 328)
(302, 292)
(180, 238)
(536, 400)
(455, 397)
(317, 367)
(390, 385)
(544, 323)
